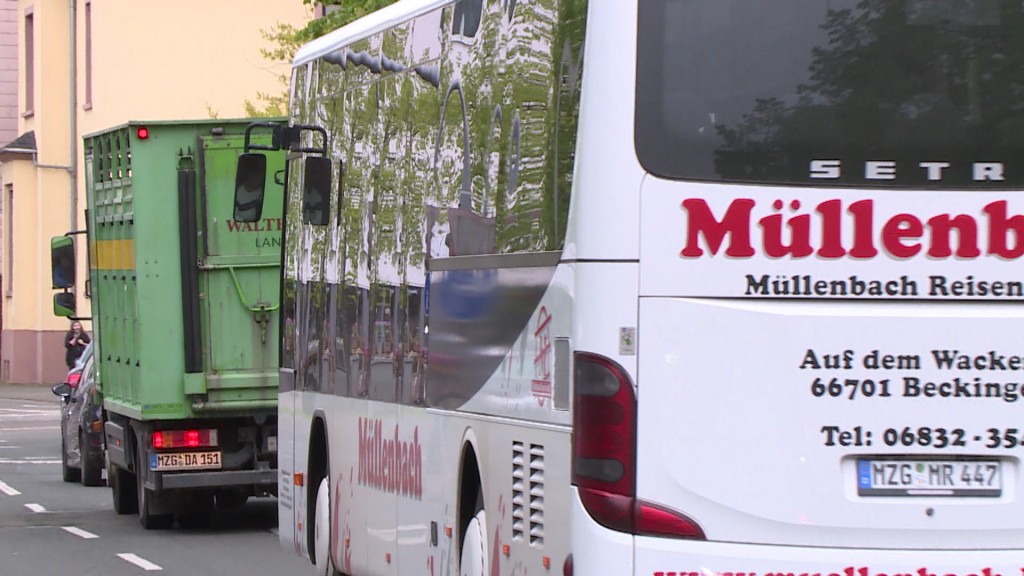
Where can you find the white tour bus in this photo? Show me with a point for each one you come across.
(656, 287)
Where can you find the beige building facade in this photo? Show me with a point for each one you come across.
(84, 66)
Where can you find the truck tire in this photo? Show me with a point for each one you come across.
(122, 487)
(230, 499)
(148, 520)
(197, 510)
(91, 472)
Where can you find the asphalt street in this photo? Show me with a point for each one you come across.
(49, 527)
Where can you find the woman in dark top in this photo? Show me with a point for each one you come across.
(75, 341)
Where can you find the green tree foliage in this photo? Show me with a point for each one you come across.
(285, 40)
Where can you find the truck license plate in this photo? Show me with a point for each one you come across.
(185, 461)
(929, 477)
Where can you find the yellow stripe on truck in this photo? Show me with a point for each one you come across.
(114, 254)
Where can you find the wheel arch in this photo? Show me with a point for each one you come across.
(471, 490)
(317, 468)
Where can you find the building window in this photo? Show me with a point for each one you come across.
(30, 62)
(8, 255)
(88, 55)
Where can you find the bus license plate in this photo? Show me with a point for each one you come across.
(929, 478)
(185, 461)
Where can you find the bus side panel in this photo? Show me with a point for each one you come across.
(287, 445)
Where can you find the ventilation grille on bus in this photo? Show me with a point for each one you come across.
(536, 495)
(518, 489)
(528, 493)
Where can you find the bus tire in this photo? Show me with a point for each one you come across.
(474, 546)
(322, 530)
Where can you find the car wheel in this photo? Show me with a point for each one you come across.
(91, 472)
(67, 472)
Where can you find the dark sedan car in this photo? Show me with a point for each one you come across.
(81, 426)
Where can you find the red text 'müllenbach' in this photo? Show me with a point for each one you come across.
(821, 232)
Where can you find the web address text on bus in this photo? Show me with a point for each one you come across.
(847, 571)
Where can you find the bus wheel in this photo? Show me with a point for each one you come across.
(322, 530)
(474, 546)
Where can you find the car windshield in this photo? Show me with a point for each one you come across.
(752, 91)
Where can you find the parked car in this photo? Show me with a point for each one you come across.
(75, 373)
(81, 424)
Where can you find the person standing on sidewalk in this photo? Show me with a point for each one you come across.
(75, 341)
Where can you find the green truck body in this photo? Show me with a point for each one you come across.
(184, 304)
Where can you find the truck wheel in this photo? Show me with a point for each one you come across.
(197, 511)
(122, 486)
(230, 499)
(322, 530)
(91, 473)
(67, 472)
(474, 546)
(148, 520)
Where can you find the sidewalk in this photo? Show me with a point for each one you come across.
(31, 392)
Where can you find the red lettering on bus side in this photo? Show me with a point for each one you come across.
(390, 465)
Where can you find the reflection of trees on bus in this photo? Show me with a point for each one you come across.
(447, 129)
(900, 81)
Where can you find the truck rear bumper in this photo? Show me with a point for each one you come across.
(215, 479)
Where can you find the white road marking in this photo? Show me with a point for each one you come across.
(6, 489)
(26, 428)
(26, 461)
(35, 508)
(274, 531)
(79, 532)
(140, 562)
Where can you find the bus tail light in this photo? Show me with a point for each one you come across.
(604, 454)
(184, 439)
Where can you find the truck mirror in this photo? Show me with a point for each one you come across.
(250, 182)
(62, 261)
(64, 304)
(316, 191)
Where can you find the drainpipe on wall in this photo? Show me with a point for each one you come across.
(73, 113)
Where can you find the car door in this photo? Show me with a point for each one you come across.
(76, 403)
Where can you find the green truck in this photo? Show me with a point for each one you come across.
(183, 302)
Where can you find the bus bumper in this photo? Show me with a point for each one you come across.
(597, 550)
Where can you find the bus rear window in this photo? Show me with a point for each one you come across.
(910, 93)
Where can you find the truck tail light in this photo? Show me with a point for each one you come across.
(184, 438)
(604, 454)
